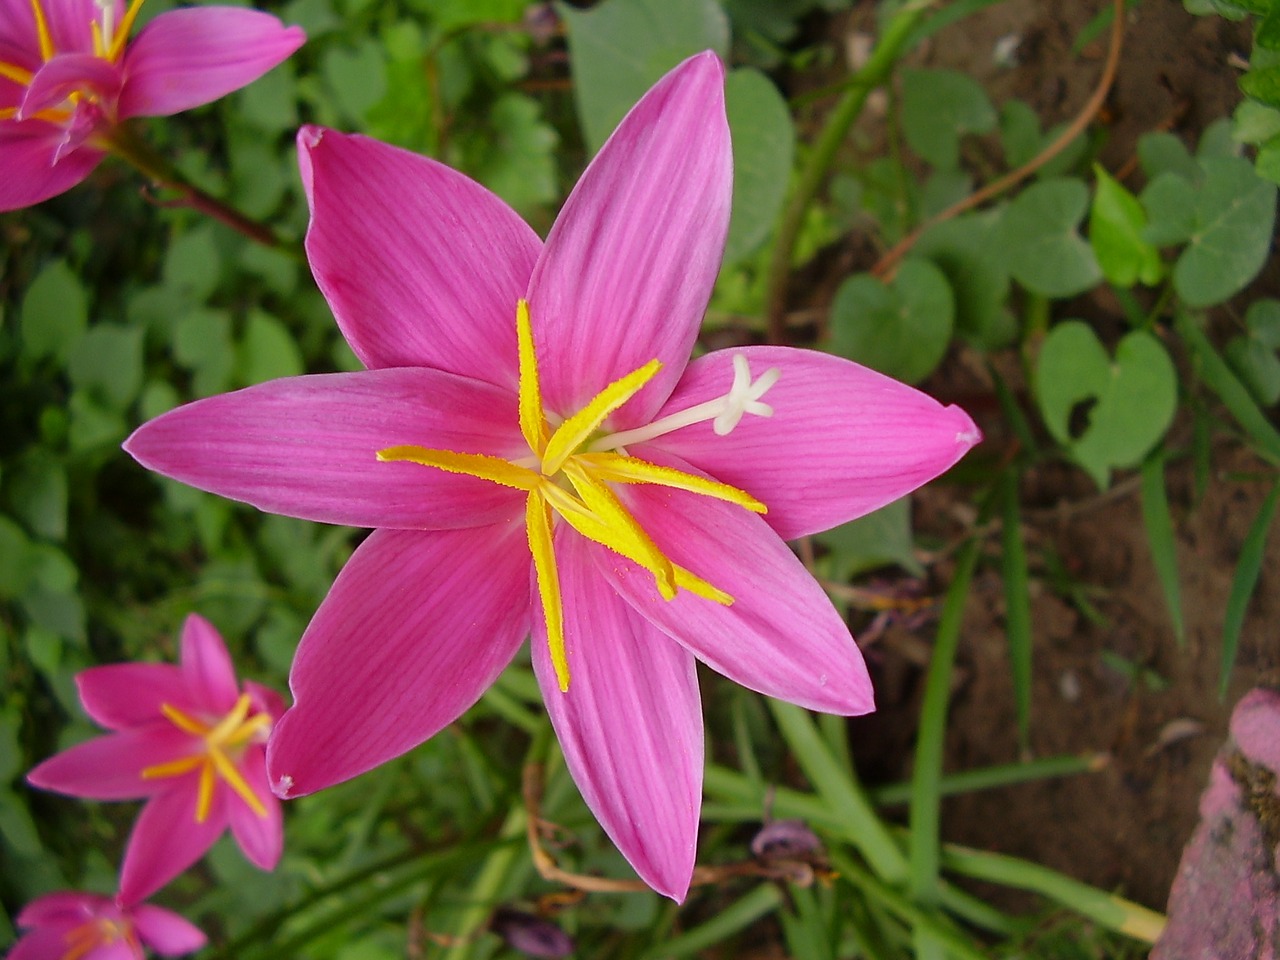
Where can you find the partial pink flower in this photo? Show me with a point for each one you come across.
(69, 75)
(84, 926)
(191, 741)
(541, 457)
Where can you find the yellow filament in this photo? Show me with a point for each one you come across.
(204, 799)
(614, 466)
(99, 44)
(8, 113)
(578, 429)
(173, 768)
(481, 465)
(533, 419)
(236, 782)
(228, 724)
(183, 722)
(538, 524)
(89, 936)
(247, 730)
(15, 73)
(42, 31)
(122, 31)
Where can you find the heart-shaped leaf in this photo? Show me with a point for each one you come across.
(938, 107)
(1106, 412)
(1253, 356)
(1116, 222)
(764, 141)
(901, 328)
(1046, 253)
(963, 249)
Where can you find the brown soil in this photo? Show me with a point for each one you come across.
(1124, 826)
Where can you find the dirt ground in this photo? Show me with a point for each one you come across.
(1123, 827)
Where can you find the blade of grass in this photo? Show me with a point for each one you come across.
(1242, 585)
(1017, 601)
(1113, 912)
(1164, 551)
(760, 901)
(1233, 394)
(840, 792)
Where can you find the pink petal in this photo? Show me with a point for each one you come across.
(630, 724)
(261, 838)
(630, 263)
(64, 906)
(27, 152)
(421, 265)
(780, 637)
(189, 57)
(65, 75)
(165, 932)
(68, 21)
(307, 447)
(843, 440)
(45, 943)
(264, 699)
(206, 665)
(110, 767)
(123, 695)
(167, 839)
(415, 628)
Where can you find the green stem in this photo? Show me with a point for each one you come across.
(872, 74)
(131, 148)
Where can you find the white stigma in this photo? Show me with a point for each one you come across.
(725, 412)
(107, 9)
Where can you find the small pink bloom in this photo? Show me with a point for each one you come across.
(68, 76)
(542, 457)
(188, 739)
(84, 926)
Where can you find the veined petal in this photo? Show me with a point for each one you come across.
(110, 767)
(843, 439)
(206, 664)
(781, 636)
(62, 906)
(630, 263)
(414, 629)
(167, 838)
(421, 265)
(122, 695)
(630, 723)
(261, 838)
(165, 932)
(27, 152)
(64, 75)
(308, 447)
(189, 57)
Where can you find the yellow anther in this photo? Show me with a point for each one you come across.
(533, 419)
(183, 722)
(42, 32)
(541, 545)
(480, 465)
(258, 723)
(174, 768)
(228, 771)
(122, 31)
(577, 430)
(15, 73)
(230, 723)
(204, 796)
(620, 469)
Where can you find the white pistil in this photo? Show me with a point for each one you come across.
(107, 10)
(725, 412)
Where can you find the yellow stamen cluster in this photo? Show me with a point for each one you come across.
(572, 482)
(218, 741)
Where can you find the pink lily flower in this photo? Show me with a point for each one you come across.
(540, 456)
(188, 739)
(84, 926)
(68, 76)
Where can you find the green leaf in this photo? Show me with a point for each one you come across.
(193, 265)
(55, 312)
(516, 154)
(881, 538)
(268, 350)
(1267, 35)
(270, 103)
(901, 329)
(620, 48)
(1235, 212)
(1017, 597)
(451, 15)
(15, 559)
(1158, 522)
(1106, 413)
(938, 108)
(965, 250)
(38, 491)
(1045, 252)
(764, 142)
(93, 424)
(1116, 222)
(1253, 356)
(1169, 201)
(1263, 84)
(202, 344)
(1267, 161)
(1255, 122)
(1019, 132)
(1243, 584)
(1162, 152)
(356, 77)
(108, 361)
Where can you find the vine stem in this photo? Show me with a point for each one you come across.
(129, 147)
(887, 265)
(872, 74)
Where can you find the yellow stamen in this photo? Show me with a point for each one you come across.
(183, 722)
(8, 113)
(236, 782)
(15, 73)
(249, 729)
(204, 798)
(481, 465)
(173, 768)
(575, 431)
(620, 469)
(122, 31)
(533, 419)
(228, 724)
(538, 524)
(42, 31)
(99, 44)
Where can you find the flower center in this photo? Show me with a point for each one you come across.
(108, 44)
(219, 743)
(572, 467)
(98, 932)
